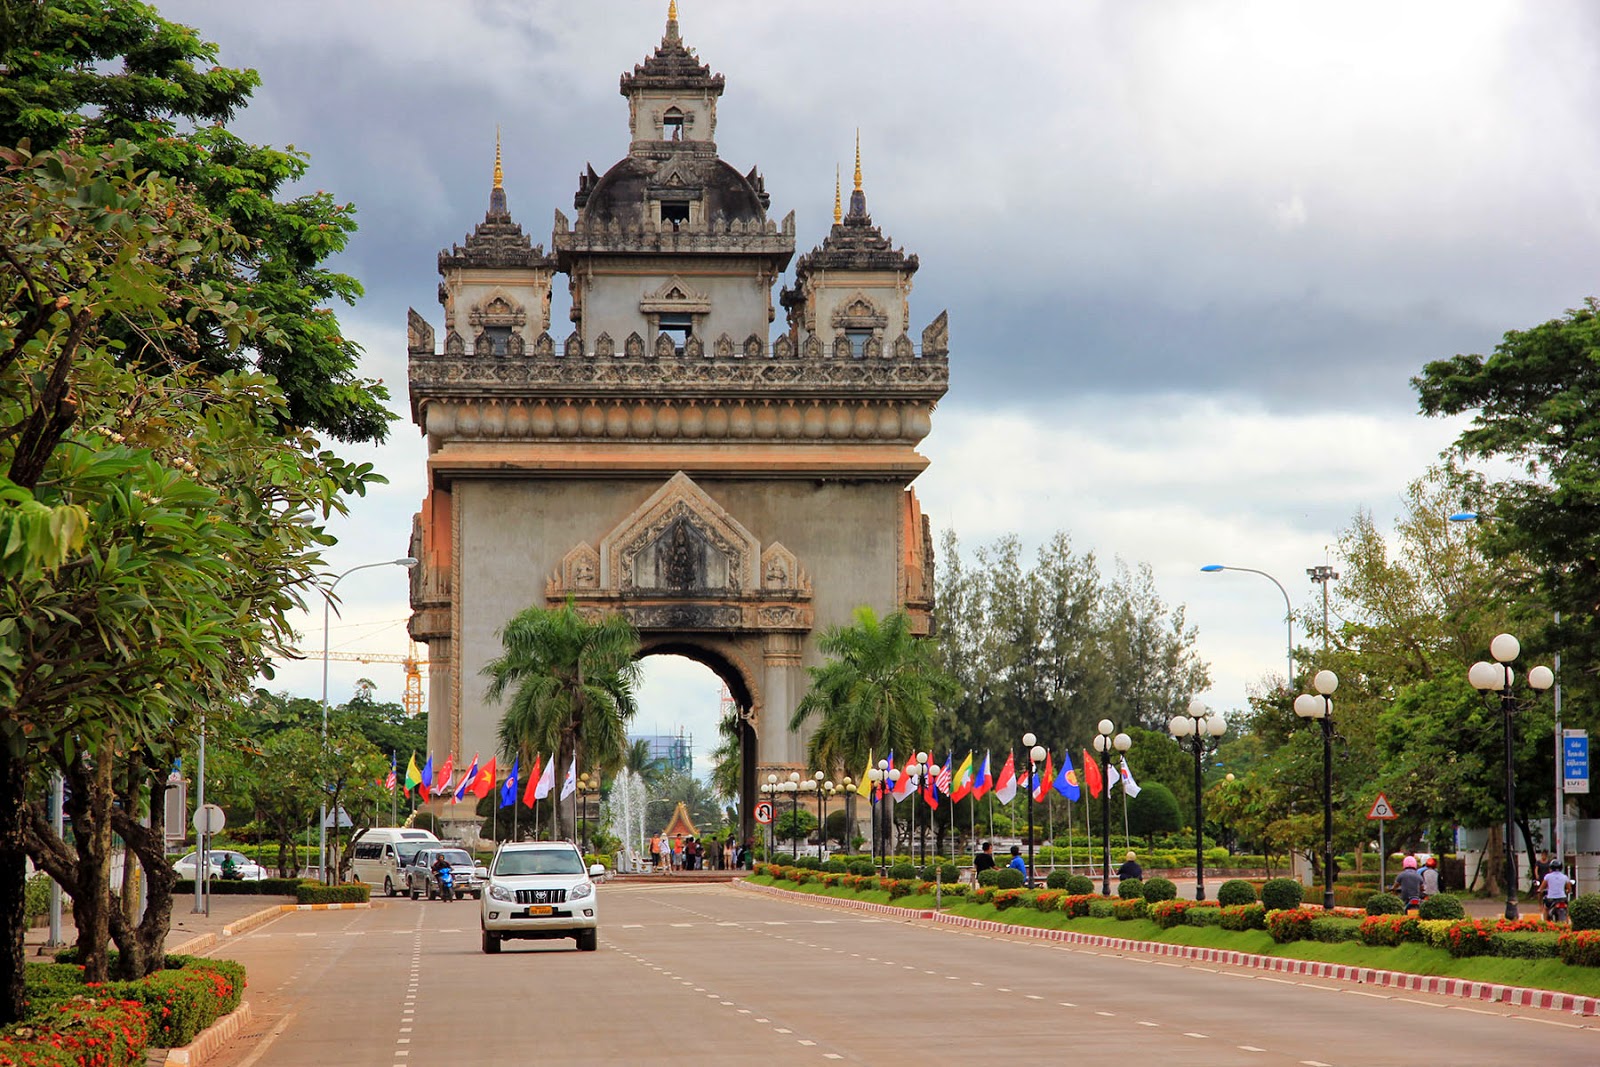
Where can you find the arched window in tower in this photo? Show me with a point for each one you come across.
(672, 125)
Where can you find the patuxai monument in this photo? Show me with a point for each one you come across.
(731, 482)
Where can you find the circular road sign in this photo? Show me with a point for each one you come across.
(209, 819)
(764, 812)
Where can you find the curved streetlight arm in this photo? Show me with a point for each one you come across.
(1288, 610)
(327, 609)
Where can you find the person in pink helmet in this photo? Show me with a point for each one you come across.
(1408, 883)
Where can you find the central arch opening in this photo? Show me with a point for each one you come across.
(702, 747)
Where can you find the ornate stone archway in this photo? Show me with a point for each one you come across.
(730, 489)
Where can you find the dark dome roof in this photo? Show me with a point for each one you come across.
(620, 192)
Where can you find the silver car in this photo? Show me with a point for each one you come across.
(466, 877)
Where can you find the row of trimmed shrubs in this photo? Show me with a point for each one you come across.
(165, 1009)
(305, 891)
(1044, 855)
(1442, 924)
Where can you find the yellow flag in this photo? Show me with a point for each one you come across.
(864, 789)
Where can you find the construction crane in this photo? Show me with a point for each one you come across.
(412, 699)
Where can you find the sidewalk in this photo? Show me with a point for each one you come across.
(187, 928)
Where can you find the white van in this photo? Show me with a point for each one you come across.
(383, 853)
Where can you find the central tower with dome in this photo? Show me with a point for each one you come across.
(732, 487)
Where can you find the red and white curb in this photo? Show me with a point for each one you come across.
(1488, 992)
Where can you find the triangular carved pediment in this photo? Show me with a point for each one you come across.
(675, 295)
(680, 542)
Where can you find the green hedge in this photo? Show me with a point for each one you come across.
(346, 893)
(1584, 912)
(1442, 906)
(1159, 889)
(1203, 916)
(1243, 917)
(1009, 878)
(183, 998)
(1236, 891)
(1534, 946)
(1385, 904)
(1102, 909)
(1278, 894)
(1130, 888)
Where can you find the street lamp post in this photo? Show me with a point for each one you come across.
(919, 782)
(1035, 754)
(877, 776)
(793, 788)
(849, 787)
(1288, 679)
(1103, 744)
(1498, 677)
(895, 774)
(327, 608)
(819, 785)
(1192, 731)
(1319, 706)
(772, 827)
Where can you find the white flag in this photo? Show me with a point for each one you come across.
(547, 781)
(570, 786)
(1129, 786)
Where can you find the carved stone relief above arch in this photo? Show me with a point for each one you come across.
(694, 348)
(665, 349)
(723, 347)
(498, 310)
(454, 345)
(811, 347)
(753, 347)
(842, 348)
(544, 346)
(783, 347)
(872, 348)
(604, 346)
(903, 348)
(681, 561)
(633, 347)
(573, 346)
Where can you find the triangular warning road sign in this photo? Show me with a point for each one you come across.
(1381, 809)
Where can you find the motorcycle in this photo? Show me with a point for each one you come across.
(446, 884)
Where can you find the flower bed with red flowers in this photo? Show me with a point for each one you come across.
(1469, 937)
(81, 1031)
(896, 887)
(1047, 900)
(1291, 924)
(1580, 948)
(1077, 904)
(183, 998)
(1008, 898)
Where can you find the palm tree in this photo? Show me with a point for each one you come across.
(638, 759)
(570, 683)
(877, 691)
(727, 759)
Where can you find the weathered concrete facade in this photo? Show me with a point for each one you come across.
(733, 492)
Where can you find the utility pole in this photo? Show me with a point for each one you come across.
(1323, 574)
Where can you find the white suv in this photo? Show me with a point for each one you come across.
(539, 889)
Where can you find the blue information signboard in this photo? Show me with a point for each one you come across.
(1575, 760)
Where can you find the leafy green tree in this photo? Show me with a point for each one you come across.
(794, 826)
(879, 690)
(1535, 406)
(94, 72)
(198, 506)
(697, 798)
(650, 769)
(1153, 811)
(568, 684)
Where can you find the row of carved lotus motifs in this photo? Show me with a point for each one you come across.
(921, 375)
(668, 419)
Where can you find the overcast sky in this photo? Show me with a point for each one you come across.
(1192, 252)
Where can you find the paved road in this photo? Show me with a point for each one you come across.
(715, 975)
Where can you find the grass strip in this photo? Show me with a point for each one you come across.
(1410, 958)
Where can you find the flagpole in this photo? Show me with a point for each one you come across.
(1072, 853)
(1125, 840)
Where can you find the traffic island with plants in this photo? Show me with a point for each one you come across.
(113, 1024)
(1441, 941)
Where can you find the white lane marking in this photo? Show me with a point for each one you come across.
(781, 1030)
(803, 1041)
(1379, 996)
(1066, 1004)
(1547, 1022)
(1144, 1023)
(1314, 1063)
(1107, 1014)
(1032, 996)
(1194, 1035)
(1250, 1048)
(1424, 1003)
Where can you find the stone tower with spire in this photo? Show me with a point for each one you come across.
(734, 490)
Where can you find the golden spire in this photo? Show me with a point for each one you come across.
(858, 159)
(499, 175)
(838, 209)
(672, 10)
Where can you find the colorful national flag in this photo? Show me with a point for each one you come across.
(864, 787)
(441, 784)
(1042, 780)
(508, 791)
(1066, 782)
(394, 774)
(546, 782)
(904, 788)
(982, 781)
(946, 776)
(535, 777)
(570, 786)
(1129, 786)
(425, 782)
(1005, 788)
(413, 776)
(468, 781)
(963, 779)
(1091, 775)
(486, 780)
